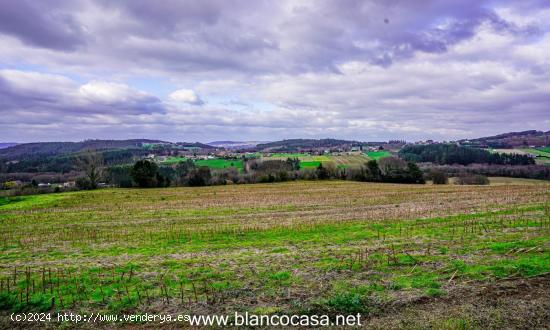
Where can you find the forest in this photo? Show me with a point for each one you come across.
(441, 153)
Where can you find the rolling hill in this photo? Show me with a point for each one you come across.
(7, 145)
(511, 140)
(292, 144)
(58, 148)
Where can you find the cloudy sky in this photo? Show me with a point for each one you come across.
(265, 70)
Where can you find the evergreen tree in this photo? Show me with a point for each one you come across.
(415, 173)
(144, 173)
(373, 171)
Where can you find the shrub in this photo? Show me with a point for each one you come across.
(350, 301)
(438, 177)
(415, 173)
(272, 166)
(200, 176)
(471, 179)
(294, 163)
(83, 183)
(322, 172)
(9, 185)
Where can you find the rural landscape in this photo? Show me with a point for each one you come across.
(304, 227)
(334, 164)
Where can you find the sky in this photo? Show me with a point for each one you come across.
(202, 70)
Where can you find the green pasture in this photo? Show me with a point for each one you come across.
(376, 155)
(215, 164)
(220, 163)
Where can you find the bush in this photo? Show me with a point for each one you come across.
(200, 177)
(322, 172)
(294, 163)
(352, 300)
(471, 179)
(415, 173)
(438, 177)
(267, 178)
(83, 183)
(272, 166)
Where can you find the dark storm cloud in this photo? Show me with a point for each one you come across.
(39, 23)
(262, 36)
(297, 37)
(294, 36)
(179, 37)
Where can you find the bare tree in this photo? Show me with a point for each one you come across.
(390, 164)
(91, 163)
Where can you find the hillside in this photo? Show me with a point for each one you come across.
(292, 144)
(7, 145)
(58, 148)
(511, 140)
(194, 145)
(235, 144)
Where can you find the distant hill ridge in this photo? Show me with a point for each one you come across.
(12, 151)
(223, 142)
(59, 148)
(235, 144)
(512, 139)
(7, 145)
(514, 134)
(306, 143)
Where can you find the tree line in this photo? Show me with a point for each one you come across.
(66, 163)
(449, 154)
(540, 172)
(148, 174)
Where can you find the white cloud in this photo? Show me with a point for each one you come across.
(24, 91)
(34, 86)
(110, 93)
(185, 96)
